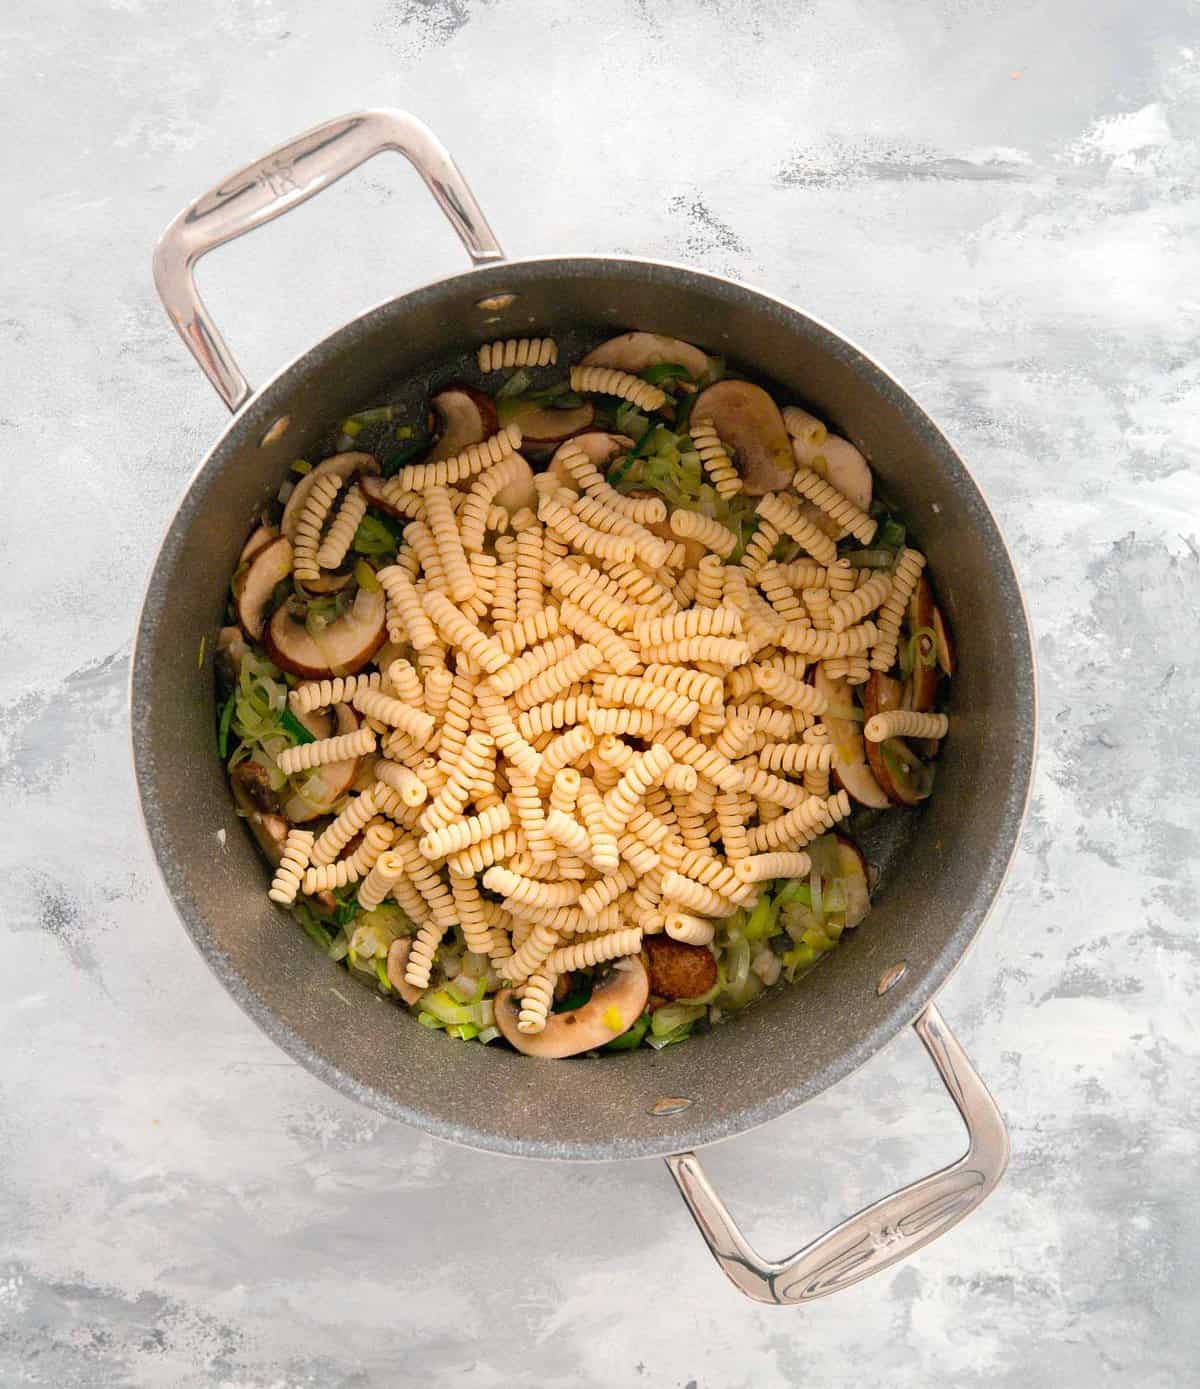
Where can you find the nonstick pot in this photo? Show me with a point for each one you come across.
(939, 880)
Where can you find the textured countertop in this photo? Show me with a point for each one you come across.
(999, 202)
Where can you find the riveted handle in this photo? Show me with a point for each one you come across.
(281, 180)
(883, 1233)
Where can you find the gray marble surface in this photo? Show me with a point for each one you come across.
(999, 201)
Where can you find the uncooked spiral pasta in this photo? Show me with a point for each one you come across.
(583, 954)
(904, 580)
(609, 381)
(857, 605)
(905, 723)
(386, 872)
(537, 994)
(294, 859)
(691, 525)
(839, 508)
(518, 352)
(307, 540)
(715, 459)
(319, 694)
(325, 750)
(785, 515)
(602, 737)
(446, 472)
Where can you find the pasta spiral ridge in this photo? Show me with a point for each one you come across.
(610, 381)
(322, 751)
(342, 829)
(307, 540)
(714, 458)
(340, 534)
(905, 723)
(904, 580)
(786, 516)
(320, 694)
(856, 606)
(517, 352)
(297, 851)
(376, 838)
(471, 460)
(537, 996)
(835, 505)
(691, 525)
(583, 954)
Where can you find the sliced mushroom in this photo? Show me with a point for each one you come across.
(923, 682)
(316, 792)
(850, 767)
(852, 869)
(396, 961)
(373, 489)
(749, 421)
(634, 352)
(345, 646)
(880, 693)
(464, 416)
(944, 642)
(260, 538)
(340, 465)
(253, 588)
(679, 970)
(616, 1004)
(542, 428)
(227, 660)
(907, 780)
(261, 809)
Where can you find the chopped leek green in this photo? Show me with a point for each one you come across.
(794, 891)
(312, 927)
(488, 1034)
(762, 919)
(428, 1020)
(683, 411)
(365, 577)
(223, 727)
(890, 534)
(200, 655)
(679, 1034)
(375, 536)
(352, 427)
(666, 371)
(404, 431)
(672, 1016)
(518, 382)
(291, 724)
(302, 466)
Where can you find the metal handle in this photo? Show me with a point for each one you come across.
(280, 181)
(883, 1233)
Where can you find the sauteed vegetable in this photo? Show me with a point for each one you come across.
(550, 704)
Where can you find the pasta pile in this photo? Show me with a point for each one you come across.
(602, 723)
(608, 740)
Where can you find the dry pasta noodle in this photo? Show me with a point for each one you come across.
(297, 851)
(714, 458)
(608, 381)
(905, 723)
(836, 506)
(325, 750)
(518, 352)
(319, 694)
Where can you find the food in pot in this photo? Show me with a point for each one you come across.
(551, 706)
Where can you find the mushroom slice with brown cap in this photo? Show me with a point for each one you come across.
(749, 422)
(259, 540)
(253, 588)
(340, 465)
(464, 416)
(617, 1001)
(543, 428)
(634, 352)
(260, 809)
(840, 464)
(345, 646)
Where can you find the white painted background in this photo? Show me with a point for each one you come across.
(999, 201)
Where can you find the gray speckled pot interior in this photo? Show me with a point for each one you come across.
(795, 1042)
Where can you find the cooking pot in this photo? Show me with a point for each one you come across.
(939, 879)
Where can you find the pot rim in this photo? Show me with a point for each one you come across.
(689, 1135)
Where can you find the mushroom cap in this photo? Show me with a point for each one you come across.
(340, 465)
(345, 646)
(259, 538)
(923, 682)
(465, 416)
(850, 768)
(252, 590)
(750, 422)
(625, 986)
(543, 428)
(634, 352)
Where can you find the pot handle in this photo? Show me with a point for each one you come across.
(882, 1234)
(281, 180)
